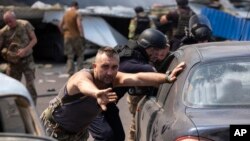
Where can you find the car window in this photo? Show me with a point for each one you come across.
(164, 89)
(219, 83)
(11, 119)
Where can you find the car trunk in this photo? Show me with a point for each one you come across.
(214, 123)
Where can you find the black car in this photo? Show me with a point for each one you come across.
(212, 93)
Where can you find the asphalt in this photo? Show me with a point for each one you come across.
(51, 77)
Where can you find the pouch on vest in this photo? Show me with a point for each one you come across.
(183, 22)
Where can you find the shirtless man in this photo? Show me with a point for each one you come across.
(76, 105)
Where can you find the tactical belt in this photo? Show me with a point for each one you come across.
(58, 101)
(47, 118)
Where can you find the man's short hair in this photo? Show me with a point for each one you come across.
(74, 4)
(9, 13)
(109, 51)
(138, 9)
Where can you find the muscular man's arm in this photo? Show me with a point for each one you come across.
(79, 25)
(82, 82)
(140, 79)
(33, 40)
(147, 78)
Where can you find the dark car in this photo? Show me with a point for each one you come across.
(19, 120)
(212, 93)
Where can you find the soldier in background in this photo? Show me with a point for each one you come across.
(162, 59)
(199, 31)
(73, 38)
(179, 18)
(139, 23)
(157, 12)
(135, 57)
(17, 38)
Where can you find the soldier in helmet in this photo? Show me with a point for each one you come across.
(179, 18)
(17, 38)
(139, 23)
(150, 41)
(199, 31)
(135, 57)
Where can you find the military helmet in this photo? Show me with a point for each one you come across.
(182, 2)
(138, 9)
(202, 34)
(152, 38)
(200, 27)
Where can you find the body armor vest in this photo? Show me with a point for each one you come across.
(183, 21)
(143, 22)
(132, 50)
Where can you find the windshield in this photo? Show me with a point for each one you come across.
(221, 83)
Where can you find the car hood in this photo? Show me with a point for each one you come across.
(214, 123)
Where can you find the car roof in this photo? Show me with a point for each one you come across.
(205, 52)
(10, 86)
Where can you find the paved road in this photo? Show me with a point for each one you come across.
(50, 78)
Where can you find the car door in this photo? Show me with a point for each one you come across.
(149, 108)
(164, 118)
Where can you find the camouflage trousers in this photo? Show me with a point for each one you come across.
(133, 101)
(26, 67)
(54, 130)
(74, 47)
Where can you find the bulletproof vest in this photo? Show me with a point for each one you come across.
(131, 50)
(143, 22)
(183, 21)
(123, 51)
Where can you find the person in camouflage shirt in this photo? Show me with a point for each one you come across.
(17, 38)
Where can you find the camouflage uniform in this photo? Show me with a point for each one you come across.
(73, 42)
(14, 39)
(74, 46)
(54, 130)
(132, 102)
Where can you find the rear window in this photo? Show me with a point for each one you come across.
(220, 83)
